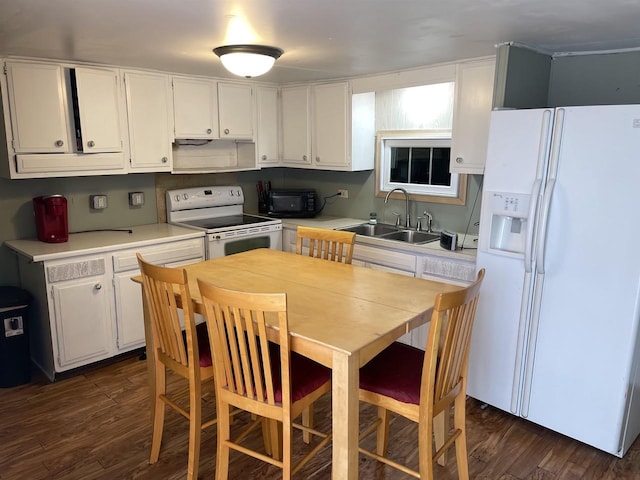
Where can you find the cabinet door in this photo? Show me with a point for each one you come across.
(473, 100)
(267, 131)
(331, 125)
(40, 119)
(235, 111)
(149, 113)
(82, 314)
(99, 108)
(296, 141)
(195, 104)
(129, 312)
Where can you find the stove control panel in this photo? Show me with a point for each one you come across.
(204, 197)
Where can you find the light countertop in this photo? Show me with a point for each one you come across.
(468, 253)
(101, 241)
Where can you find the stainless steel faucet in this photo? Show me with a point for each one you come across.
(429, 218)
(407, 220)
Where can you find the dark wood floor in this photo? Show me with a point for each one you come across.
(96, 426)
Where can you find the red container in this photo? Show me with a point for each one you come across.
(51, 218)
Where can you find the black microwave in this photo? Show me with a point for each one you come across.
(292, 203)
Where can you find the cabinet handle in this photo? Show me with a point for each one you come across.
(91, 143)
(165, 159)
(208, 130)
(226, 131)
(59, 143)
(98, 286)
(459, 160)
(317, 159)
(304, 157)
(264, 157)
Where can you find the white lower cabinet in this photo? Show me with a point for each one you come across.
(82, 314)
(128, 294)
(87, 308)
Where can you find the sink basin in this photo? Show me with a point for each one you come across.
(391, 232)
(411, 236)
(371, 230)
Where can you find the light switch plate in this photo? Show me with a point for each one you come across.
(98, 202)
(136, 199)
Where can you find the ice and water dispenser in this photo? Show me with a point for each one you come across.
(508, 221)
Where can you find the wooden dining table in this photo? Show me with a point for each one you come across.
(339, 315)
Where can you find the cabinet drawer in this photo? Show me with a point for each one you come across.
(61, 272)
(402, 261)
(442, 269)
(71, 162)
(160, 254)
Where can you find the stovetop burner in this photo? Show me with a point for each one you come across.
(227, 221)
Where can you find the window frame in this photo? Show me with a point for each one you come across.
(457, 195)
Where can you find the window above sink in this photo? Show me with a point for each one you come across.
(413, 143)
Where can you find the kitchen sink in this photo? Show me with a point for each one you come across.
(411, 236)
(391, 232)
(371, 229)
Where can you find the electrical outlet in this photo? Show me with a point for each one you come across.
(344, 193)
(98, 202)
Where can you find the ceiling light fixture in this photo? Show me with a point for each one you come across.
(248, 60)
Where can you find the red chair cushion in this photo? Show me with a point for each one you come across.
(204, 349)
(395, 372)
(306, 375)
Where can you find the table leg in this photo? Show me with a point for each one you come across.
(345, 413)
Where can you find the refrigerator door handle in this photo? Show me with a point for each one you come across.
(544, 220)
(548, 193)
(523, 328)
(533, 208)
(531, 346)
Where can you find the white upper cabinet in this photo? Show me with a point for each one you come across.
(149, 111)
(267, 126)
(472, 111)
(296, 131)
(325, 127)
(235, 109)
(331, 125)
(195, 103)
(63, 120)
(40, 119)
(99, 110)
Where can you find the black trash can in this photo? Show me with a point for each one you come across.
(15, 362)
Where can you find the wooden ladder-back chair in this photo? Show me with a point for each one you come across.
(258, 376)
(422, 386)
(185, 352)
(334, 245)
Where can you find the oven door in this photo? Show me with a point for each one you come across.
(228, 243)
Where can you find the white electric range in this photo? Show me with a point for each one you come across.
(219, 212)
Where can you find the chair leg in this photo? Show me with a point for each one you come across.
(159, 411)
(425, 449)
(195, 429)
(275, 438)
(382, 432)
(286, 448)
(441, 428)
(266, 436)
(459, 422)
(307, 421)
(224, 429)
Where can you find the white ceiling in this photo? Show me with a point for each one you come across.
(322, 39)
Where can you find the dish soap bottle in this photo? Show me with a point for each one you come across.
(373, 218)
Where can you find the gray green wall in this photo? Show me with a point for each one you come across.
(17, 218)
(529, 79)
(362, 199)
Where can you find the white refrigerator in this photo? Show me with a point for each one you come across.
(556, 337)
